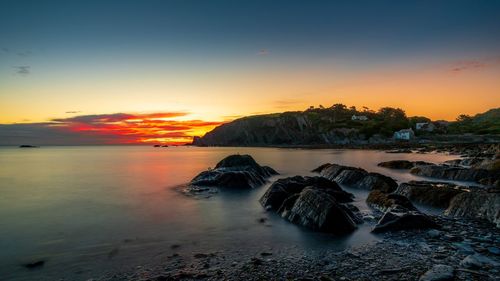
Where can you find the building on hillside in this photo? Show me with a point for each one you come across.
(359, 118)
(405, 134)
(425, 126)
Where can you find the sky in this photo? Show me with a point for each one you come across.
(107, 72)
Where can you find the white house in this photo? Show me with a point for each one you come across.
(425, 126)
(359, 118)
(405, 134)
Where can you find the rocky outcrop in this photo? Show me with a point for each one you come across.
(399, 218)
(288, 128)
(313, 202)
(400, 214)
(384, 201)
(402, 164)
(235, 171)
(356, 177)
(451, 173)
(484, 204)
(435, 194)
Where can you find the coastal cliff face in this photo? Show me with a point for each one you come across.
(339, 125)
(290, 128)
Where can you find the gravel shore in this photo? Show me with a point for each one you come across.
(460, 250)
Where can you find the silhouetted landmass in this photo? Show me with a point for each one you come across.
(342, 125)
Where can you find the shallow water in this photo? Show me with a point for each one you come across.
(93, 210)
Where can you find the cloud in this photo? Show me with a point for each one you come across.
(72, 111)
(23, 69)
(467, 65)
(117, 128)
(24, 53)
(263, 52)
(286, 103)
(5, 50)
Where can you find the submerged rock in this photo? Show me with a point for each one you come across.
(483, 204)
(313, 202)
(356, 177)
(234, 171)
(435, 194)
(400, 218)
(402, 164)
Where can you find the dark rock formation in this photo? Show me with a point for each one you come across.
(484, 204)
(289, 128)
(402, 164)
(382, 201)
(313, 202)
(400, 218)
(356, 177)
(435, 194)
(235, 171)
(35, 264)
(451, 173)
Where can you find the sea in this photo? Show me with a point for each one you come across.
(93, 210)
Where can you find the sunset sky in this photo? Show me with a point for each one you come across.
(94, 72)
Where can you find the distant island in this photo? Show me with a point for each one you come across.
(340, 125)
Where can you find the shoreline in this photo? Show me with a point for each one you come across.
(403, 255)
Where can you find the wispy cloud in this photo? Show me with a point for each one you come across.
(22, 69)
(467, 65)
(263, 52)
(117, 128)
(286, 103)
(73, 111)
(24, 53)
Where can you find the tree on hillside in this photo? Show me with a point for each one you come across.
(392, 119)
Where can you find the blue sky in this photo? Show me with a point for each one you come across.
(218, 60)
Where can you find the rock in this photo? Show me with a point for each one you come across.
(375, 181)
(313, 202)
(403, 150)
(350, 176)
(399, 218)
(35, 264)
(283, 189)
(464, 248)
(476, 204)
(434, 233)
(439, 272)
(402, 164)
(478, 261)
(494, 250)
(319, 211)
(435, 194)
(450, 173)
(383, 201)
(235, 171)
(356, 177)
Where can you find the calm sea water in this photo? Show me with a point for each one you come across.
(93, 210)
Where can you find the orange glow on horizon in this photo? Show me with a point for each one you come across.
(123, 128)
